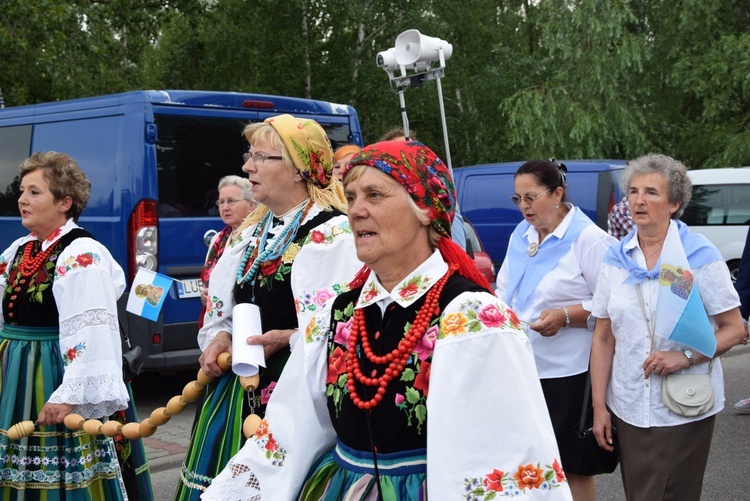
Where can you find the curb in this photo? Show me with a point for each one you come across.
(173, 462)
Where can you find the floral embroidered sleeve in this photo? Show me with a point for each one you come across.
(326, 263)
(87, 284)
(488, 428)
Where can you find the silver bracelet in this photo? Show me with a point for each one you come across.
(567, 316)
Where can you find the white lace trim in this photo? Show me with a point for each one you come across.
(94, 397)
(88, 318)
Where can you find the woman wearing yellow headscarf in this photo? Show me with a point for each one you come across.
(295, 251)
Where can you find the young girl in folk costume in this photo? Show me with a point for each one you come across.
(418, 383)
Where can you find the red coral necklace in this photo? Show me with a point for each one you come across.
(396, 359)
(29, 266)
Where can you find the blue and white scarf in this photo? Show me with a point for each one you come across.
(526, 272)
(681, 314)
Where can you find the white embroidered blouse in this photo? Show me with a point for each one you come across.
(87, 283)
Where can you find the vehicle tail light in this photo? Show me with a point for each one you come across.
(263, 105)
(143, 241)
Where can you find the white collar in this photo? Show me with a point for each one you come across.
(408, 290)
(532, 234)
(54, 236)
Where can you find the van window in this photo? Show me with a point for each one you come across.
(718, 204)
(193, 153)
(15, 143)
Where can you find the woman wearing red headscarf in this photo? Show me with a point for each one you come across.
(416, 382)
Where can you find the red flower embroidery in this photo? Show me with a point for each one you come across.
(529, 476)
(371, 293)
(494, 481)
(422, 381)
(71, 353)
(513, 318)
(559, 473)
(54, 235)
(317, 237)
(3, 267)
(271, 445)
(268, 268)
(84, 260)
(336, 365)
(408, 290)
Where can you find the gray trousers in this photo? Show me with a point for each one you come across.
(665, 463)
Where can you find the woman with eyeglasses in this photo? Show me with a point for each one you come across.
(294, 252)
(548, 277)
(234, 204)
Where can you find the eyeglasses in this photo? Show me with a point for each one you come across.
(517, 200)
(259, 158)
(229, 201)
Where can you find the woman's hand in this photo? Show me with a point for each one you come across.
(221, 343)
(550, 322)
(665, 362)
(272, 341)
(204, 296)
(603, 429)
(54, 413)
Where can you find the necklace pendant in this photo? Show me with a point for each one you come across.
(533, 249)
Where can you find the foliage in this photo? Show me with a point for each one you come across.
(527, 78)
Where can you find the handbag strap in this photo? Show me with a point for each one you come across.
(585, 406)
(651, 323)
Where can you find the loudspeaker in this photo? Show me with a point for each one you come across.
(387, 59)
(412, 47)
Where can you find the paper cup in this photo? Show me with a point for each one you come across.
(246, 358)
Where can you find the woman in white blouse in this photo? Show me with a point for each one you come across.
(60, 346)
(662, 267)
(548, 277)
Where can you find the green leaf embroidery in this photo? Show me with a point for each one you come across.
(408, 375)
(412, 395)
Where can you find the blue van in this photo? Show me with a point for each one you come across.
(154, 159)
(484, 193)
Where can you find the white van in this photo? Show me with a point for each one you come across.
(720, 210)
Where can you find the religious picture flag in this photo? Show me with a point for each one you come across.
(681, 316)
(147, 294)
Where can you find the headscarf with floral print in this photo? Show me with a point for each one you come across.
(418, 169)
(429, 183)
(308, 146)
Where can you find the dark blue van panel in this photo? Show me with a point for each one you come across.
(171, 147)
(484, 193)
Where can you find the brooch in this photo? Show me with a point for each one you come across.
(533, 249)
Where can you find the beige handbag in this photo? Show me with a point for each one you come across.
(688, 395)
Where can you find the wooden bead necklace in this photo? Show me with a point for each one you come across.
(29, 266)
(396, 359)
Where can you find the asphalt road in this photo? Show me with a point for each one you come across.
(726, 479)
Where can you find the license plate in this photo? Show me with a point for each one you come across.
(189, 288)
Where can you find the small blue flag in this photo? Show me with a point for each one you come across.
(147, 294)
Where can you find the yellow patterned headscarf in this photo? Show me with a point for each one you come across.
(308, 145)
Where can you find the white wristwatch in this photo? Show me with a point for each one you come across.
(689, 355)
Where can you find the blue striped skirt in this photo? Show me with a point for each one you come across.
(349, 475)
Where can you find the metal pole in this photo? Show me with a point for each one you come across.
(404, 118)
(445, 125)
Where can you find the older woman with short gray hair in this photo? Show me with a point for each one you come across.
(660, 266)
